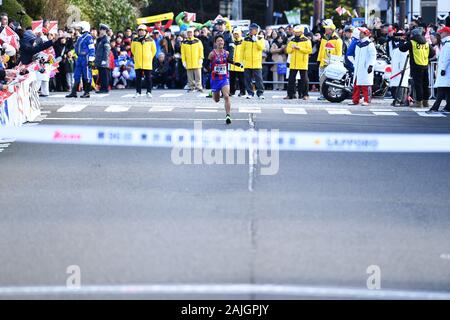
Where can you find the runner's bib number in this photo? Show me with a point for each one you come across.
(220, 69)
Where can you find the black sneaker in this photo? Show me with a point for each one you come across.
(431, 111)
(228, 119)
(72, 95)
(86, 95)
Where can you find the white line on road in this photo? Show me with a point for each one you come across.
(431, 115)
(141, 119)
(171, 95)
(445, 256)
(206, 110)
(5, 145)
(46, 111)
(385, 113)
(338, 111)
(57, 96)
(72, 108)
(225, 289)
(1, 150)
(249, 110)
(161, 109)
(381, 110)
(101, 95)
(294, 111)
(130, 95)
(117, 109)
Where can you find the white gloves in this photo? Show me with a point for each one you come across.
(184, 65)
(200, 62)
(254, 38)
(103, 63)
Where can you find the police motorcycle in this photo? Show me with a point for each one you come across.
(336, 82)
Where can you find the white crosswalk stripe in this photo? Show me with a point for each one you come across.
(117, 109)
(131, 95)
(161, 109)
(294, 111)
(431, 115)
(206, 110)
(71, 108)
(100, 95)
(171, 95)
(249, 110)
(385, 113)
(338, 111)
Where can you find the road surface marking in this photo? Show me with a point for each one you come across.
(206, 110)
(225, 289)
(202, 95)
(249, 110)
(161, 109)
(431, 115)
(101, 95)
(385, 113)
(57, 96)
(387, 110)
(294, 111)
(445, 256)
(71, 108)
(130, 95)
(141, 119)
(277, 97)
(46, 112)
(117, 109)
(5, 145)
(338, 111)
(171, 95)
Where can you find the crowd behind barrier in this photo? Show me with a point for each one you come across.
(20, 102)
(167, 68)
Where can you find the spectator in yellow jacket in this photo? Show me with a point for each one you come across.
(330, 45)
(299, 48)
(143, 48)
(192, 59)
(236, 48)
(252, 51)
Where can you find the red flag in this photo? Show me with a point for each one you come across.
(10, 37)
(53, 27)
(37, 26)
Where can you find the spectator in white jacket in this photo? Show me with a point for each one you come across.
(443, 73)
(365, 58)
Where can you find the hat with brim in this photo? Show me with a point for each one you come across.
(142, 27)
(299, 29)
(104, 27)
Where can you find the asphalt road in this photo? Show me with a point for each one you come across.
(130, 216)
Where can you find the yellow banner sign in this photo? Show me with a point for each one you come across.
(159, 17)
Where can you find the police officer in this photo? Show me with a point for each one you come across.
(85, 50)
(420, 53)
(102, 52)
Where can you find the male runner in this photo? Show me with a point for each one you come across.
(220, 74)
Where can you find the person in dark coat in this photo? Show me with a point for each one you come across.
(28, 48)
(102, 58)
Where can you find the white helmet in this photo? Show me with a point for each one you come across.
(9, 50)
(84, 26)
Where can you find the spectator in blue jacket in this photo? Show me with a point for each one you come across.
(350, 54)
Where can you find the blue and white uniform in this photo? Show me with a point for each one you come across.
(85, 50)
